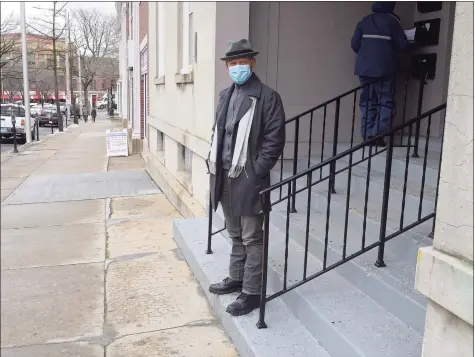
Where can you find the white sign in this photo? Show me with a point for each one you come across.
(117, 142)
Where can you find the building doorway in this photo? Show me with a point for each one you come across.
(305, 55)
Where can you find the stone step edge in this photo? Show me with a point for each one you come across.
(285, 335)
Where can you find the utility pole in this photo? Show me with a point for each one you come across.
(68, 89)
(26, 87)
(80, 85)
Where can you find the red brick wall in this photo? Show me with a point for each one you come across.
(143, 23)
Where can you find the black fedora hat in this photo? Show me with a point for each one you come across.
(239, 49)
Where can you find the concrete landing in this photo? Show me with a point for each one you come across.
(83, 186)
(285, 336)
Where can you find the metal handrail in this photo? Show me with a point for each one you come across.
(334, 99)
(353, 149)
(382, 237)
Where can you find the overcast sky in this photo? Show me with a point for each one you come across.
(7, 7)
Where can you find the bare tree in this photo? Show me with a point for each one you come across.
(9, 51)
(52, 27)
(9, 40)
(44, 81)
(97, 45)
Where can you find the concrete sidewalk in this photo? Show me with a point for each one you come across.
(88, 262)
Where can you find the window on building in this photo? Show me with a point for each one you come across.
(49, 62)
(160, 54)
(187, 37)
(94, 85)
(61, 82)
(31, 59)
(75, 83)
(188, 157)
(160, 142)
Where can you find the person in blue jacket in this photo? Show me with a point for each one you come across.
(377, 41)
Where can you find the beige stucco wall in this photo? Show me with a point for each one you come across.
(185, 113)
(445, 271)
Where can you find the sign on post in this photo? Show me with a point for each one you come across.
(117, 142)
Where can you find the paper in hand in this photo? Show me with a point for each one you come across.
(410, 34)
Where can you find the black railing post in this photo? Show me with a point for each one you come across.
(15, 148)
(384, 209)
(210, 224)
(37, 130)
(335, 145)
(265, 252)
(294, 169)
(419, 112)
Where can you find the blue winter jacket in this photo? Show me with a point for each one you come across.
(378, 39)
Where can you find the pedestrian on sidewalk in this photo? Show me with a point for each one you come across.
(85, 113)
(248, 138)
(93, 114)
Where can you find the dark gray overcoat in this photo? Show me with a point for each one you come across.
(266, 143)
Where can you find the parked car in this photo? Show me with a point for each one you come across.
(6, 128)
(37, 108)
(102, 104)
(49, 117)
(62, 107)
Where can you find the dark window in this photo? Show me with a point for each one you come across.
(9, 110)
(61, 82)
(31, 59)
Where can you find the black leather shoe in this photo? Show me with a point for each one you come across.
(380, 142)
(227, 286)
(243, 305)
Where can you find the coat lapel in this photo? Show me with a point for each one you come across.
(253, 88)
(243, 108)
(223, 108)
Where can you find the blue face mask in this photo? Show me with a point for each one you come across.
(240, 73)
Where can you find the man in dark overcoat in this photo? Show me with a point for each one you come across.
(248, 138)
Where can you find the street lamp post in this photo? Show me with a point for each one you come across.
(26, 88)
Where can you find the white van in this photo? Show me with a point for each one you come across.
(6, 128)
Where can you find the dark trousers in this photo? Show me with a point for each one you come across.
(377, 106)
(246, 233)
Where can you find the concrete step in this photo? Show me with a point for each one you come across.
(414, 239)
(319, 199)
(285, 336)
(344, 318)
(378, 162)
(375, 196)
(391, 287)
